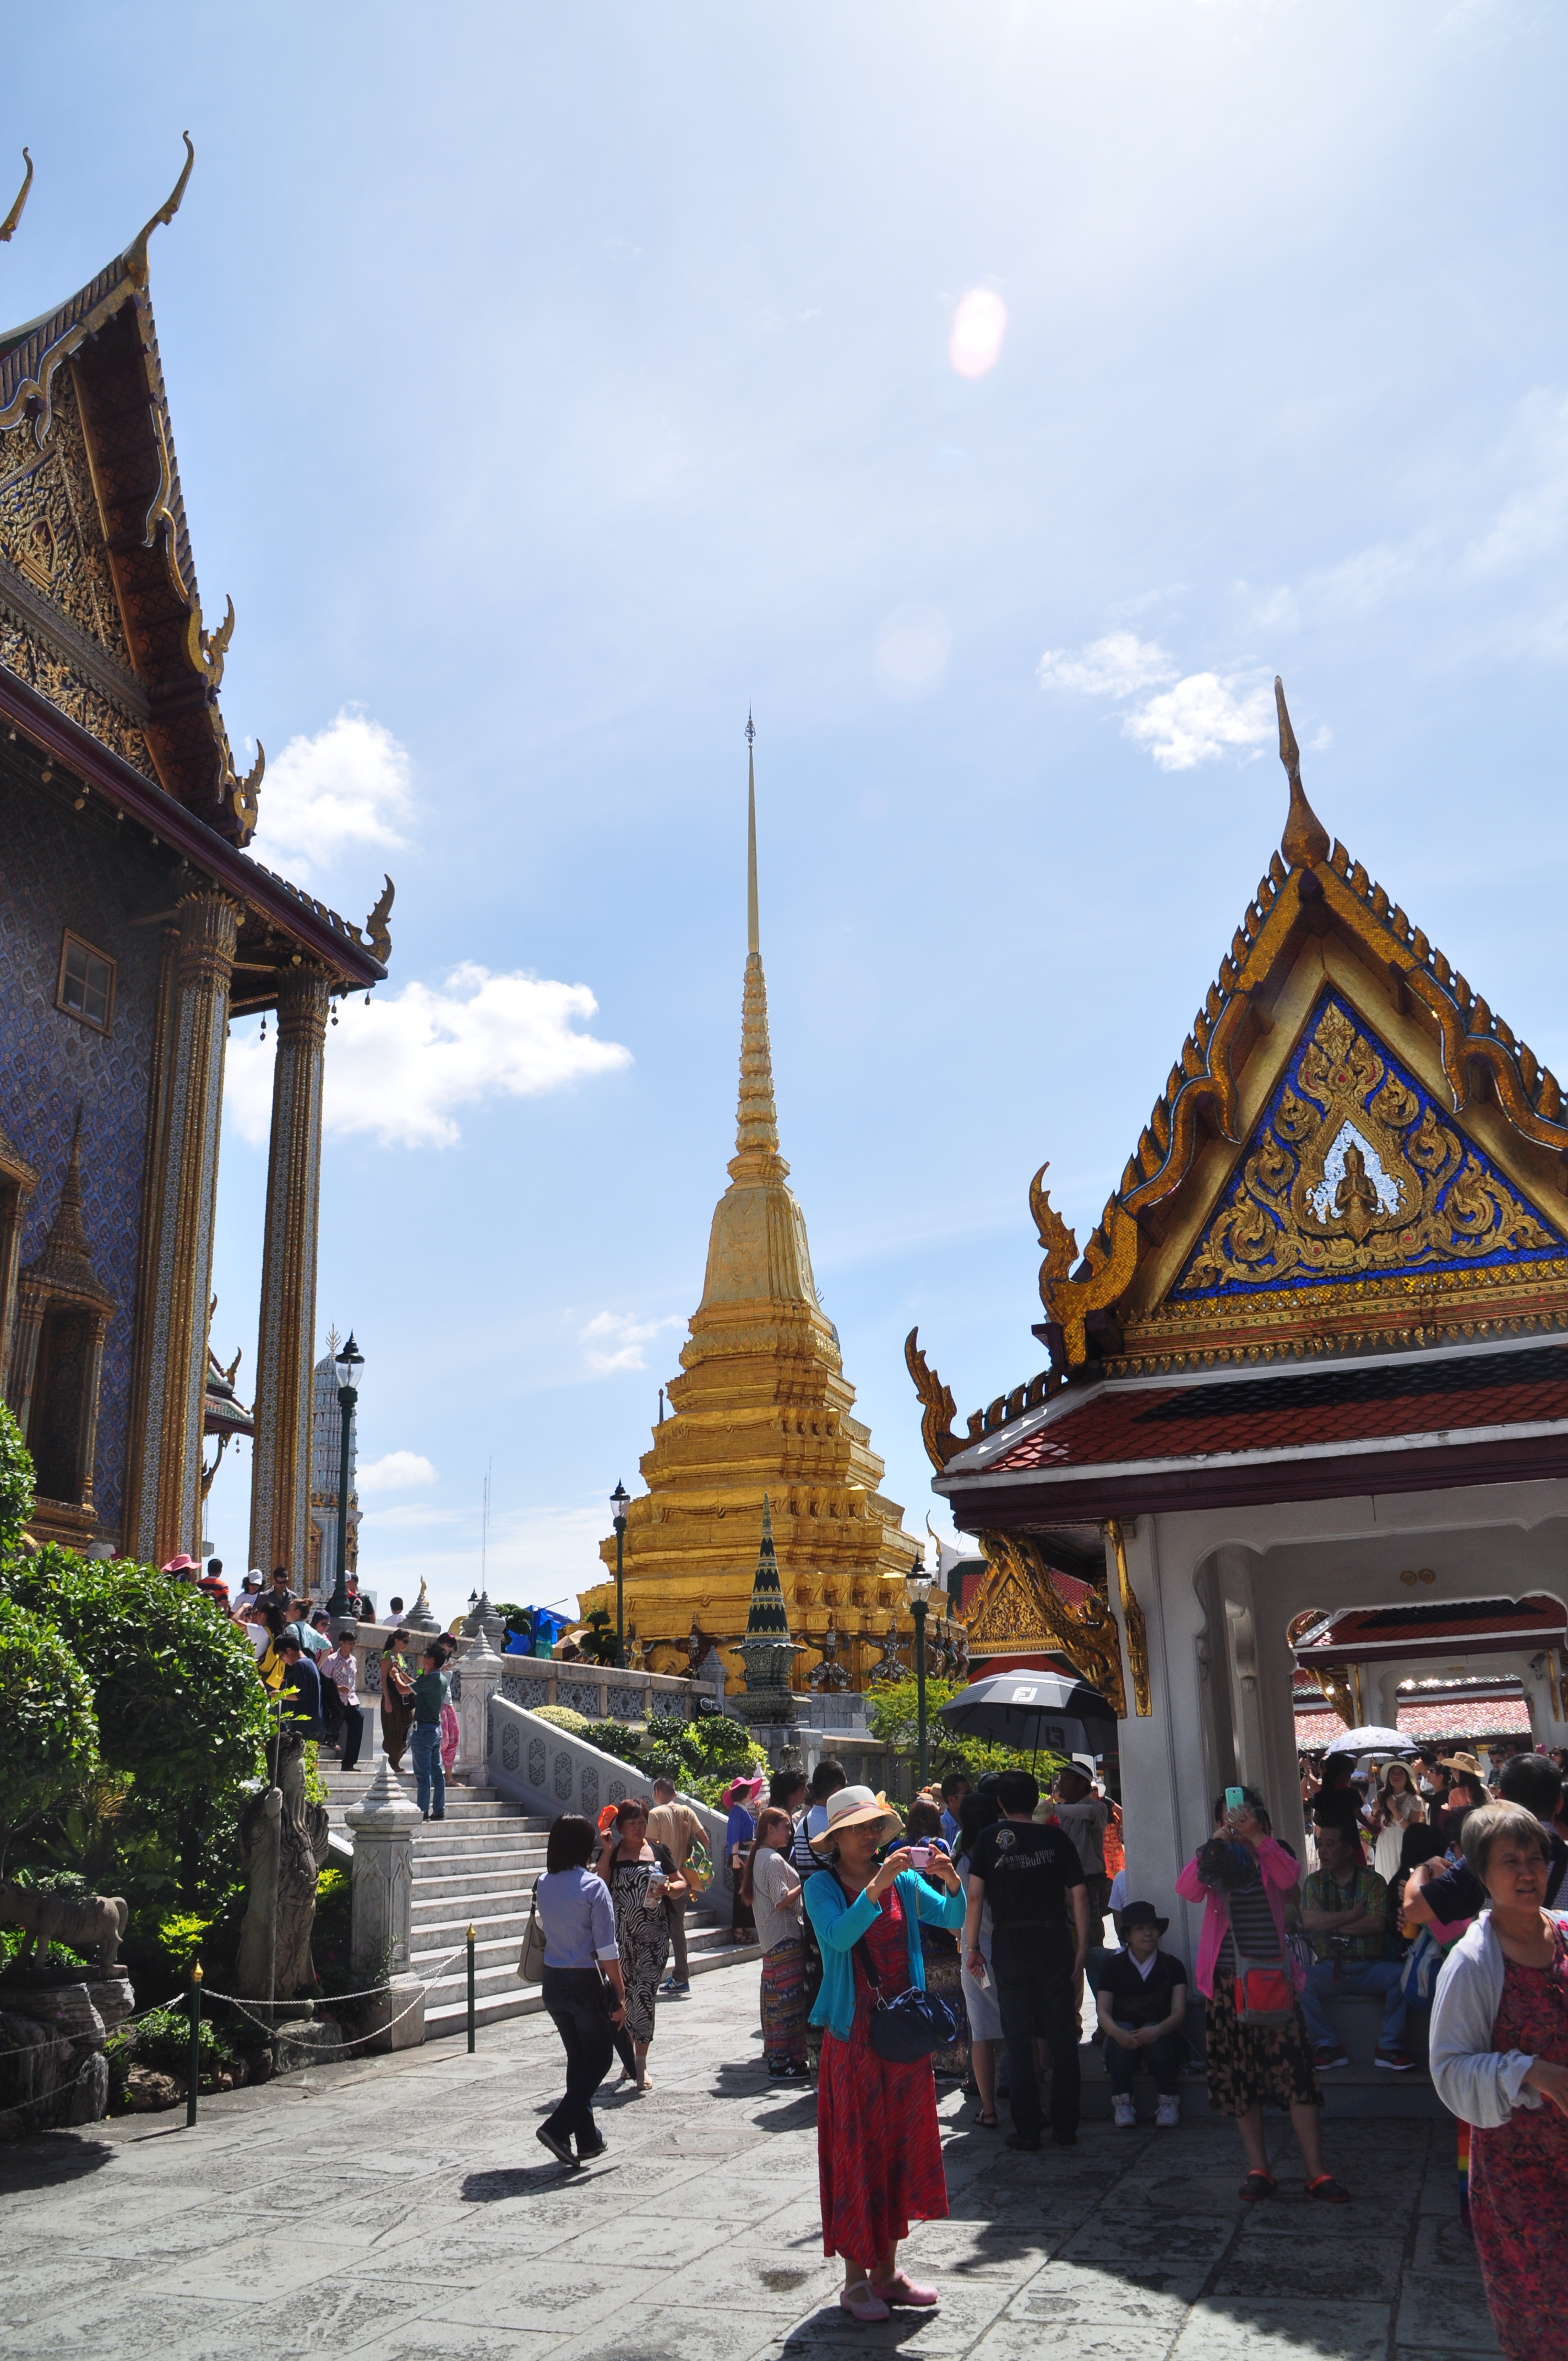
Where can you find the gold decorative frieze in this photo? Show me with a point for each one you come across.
(1019, 1606)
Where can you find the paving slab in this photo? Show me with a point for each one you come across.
(400, 2209)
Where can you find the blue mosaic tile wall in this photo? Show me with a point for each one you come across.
(62, 869)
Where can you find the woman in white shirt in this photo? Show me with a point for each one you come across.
(771, 1889)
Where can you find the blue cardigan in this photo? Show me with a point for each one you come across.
(839, 1924)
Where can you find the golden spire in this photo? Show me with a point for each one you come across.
(1306, 839)
(14, 215)
(756, 1129)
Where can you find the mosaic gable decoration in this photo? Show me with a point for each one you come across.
(1353, 1171)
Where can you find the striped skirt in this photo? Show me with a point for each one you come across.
(783, 2002)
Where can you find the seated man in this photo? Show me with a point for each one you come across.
(1344, 1911)
(1141, 2001)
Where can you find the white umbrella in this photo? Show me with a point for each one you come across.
(1373, 1740)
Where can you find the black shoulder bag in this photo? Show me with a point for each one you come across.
(912, 2024)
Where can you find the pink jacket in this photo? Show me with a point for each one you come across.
(1280, 1871)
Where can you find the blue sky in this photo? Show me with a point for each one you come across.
(551, 385)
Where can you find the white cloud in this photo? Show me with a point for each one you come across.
(346, 785)
(1114, 667)
(395, 1471)
(612, 1340)
(399, 1067)
(1200, 717)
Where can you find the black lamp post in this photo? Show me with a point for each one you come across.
(918, 1582)
(618, 1500)
(350, 1360)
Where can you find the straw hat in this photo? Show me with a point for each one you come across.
(856, 1807)
(1462, 1763)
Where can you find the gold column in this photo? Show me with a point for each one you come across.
(166, 1485)
(281, 1469)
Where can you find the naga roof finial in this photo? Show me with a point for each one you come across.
(1306, 839)
(14, 215)
(134, 256)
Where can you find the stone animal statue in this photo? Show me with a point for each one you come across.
(82, 1920)
(283, 1844)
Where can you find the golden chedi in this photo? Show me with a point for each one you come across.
(762, 1411)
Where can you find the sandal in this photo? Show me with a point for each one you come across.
(1256, 2186)
(988, 2121)
(1327, 2190)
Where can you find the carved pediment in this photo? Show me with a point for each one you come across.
(51, 537)
(1354, 1173)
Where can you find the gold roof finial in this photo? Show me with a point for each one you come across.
(135, 254)
(753, 937)
(756, 1128)
(14, 215)
(1306, 839)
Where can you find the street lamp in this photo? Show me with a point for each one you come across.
(349, 1361)
(618, 1500)
(918, 1582)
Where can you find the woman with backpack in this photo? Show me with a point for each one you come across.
(1258, 2047)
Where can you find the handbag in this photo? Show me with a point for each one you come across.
(1264, 1990)
(698, 1870)
(530, 1958)
(912, 2024)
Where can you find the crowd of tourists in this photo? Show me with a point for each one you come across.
(955, 1941)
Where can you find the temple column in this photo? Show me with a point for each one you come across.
(280, 1465)
(165, 1477)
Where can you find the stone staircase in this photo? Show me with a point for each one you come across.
(476, 1867)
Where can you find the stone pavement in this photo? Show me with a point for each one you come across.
(401, 2210)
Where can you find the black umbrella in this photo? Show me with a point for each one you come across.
(1035, 1710)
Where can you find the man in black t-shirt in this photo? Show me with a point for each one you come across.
(1033, 1879)
(1437, 1896)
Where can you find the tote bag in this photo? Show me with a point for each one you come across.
(530, 1958)
(1264, 1990)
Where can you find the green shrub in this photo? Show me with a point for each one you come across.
(622, 1738)
(16, 1483)
(895, 1719)
(561, 1716)
(48, 1731)
(162, 2040)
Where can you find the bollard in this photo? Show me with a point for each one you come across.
(194, 2075)
(470, 1991)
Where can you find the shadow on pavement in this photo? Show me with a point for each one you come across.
(50, 2160)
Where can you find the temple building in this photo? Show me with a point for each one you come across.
(1306, 1406)
(326, 1475)
(762, 1410)
(133, 925)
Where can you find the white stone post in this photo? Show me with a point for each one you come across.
(482, 1672)
(383, 1828)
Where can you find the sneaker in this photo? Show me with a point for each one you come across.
(557, 2148)
(1168, 2114)
(1327, 2056)
(1394, 2061)
(671, 1989)
(1123, 2112)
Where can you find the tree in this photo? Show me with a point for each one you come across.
(48, 1735)
(895, 1719)
(16, 1483)
(174, 1688)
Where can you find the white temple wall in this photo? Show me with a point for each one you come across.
(1219, 1589)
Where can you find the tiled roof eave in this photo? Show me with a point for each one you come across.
(1085, 1470)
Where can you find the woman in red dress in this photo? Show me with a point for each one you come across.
(1499, 2059)
(879, 2149)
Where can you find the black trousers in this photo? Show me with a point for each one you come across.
(1163, 2057)
(353, 1735)
(1032, 1967)
(575, 1998)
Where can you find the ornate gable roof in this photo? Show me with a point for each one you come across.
(99, 607)
(1351, 1151)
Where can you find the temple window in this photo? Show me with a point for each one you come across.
(86, 987)
(58, 1417)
